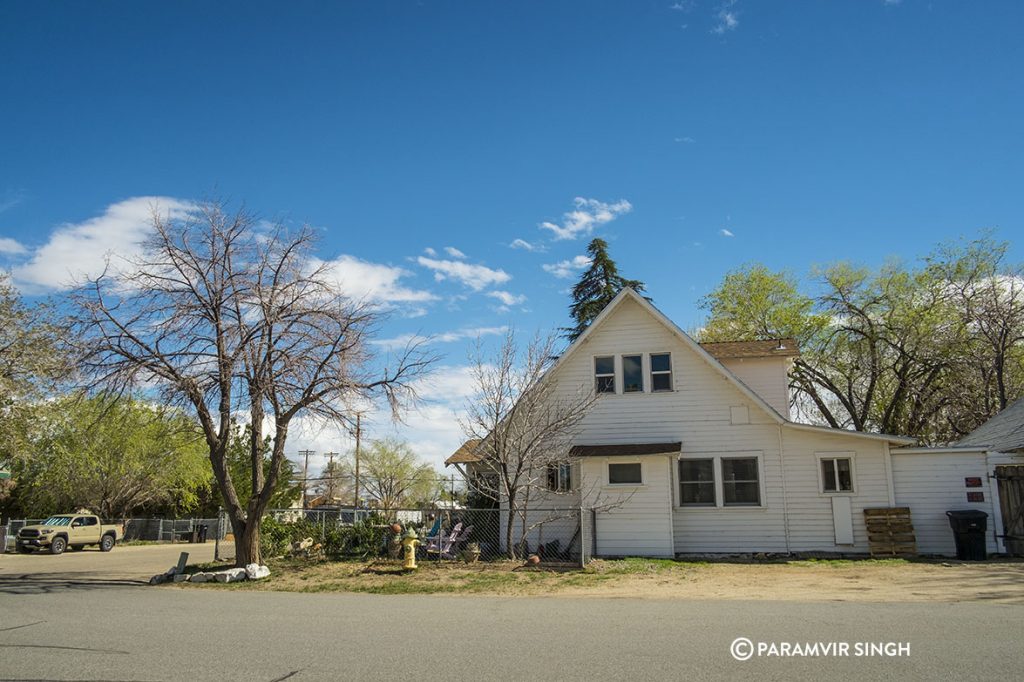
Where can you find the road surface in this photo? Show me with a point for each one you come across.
(88, 631)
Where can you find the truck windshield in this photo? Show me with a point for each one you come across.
(57, 521)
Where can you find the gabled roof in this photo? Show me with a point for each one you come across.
(1002, 433)
(771, 348)
(466, 454)
(706, 355)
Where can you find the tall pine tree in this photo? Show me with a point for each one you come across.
(596, 288)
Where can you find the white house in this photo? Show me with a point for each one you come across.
(695, 442)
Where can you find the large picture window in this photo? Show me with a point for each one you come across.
(720, 481)
(622, 473)
(697, 482)
(632, 374)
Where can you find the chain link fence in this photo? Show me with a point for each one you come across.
(555, 535)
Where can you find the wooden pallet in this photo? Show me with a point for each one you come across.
(890, 532)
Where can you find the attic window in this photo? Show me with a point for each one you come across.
(632, 374)
(661, 371)
(604, 374)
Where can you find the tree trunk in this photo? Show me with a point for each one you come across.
(247, 543)
(510, 533)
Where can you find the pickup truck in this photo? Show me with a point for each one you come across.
(67, 530)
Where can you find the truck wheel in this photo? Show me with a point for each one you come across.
(107, 543)
(58, 545)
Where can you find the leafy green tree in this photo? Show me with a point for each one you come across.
(598, 285)
(928, 351)
(29, 364)
(113, 457)
(392, 476)
(239, 462)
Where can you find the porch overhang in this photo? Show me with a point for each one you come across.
(626, 449)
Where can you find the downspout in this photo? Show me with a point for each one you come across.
(671, 507)
(785, 496)
(888, 475)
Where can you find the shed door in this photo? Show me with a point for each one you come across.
(1010, 478)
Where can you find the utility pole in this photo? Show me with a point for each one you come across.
(330, 480)
(305, 477)
(359, 430)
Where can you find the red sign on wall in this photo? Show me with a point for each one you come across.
(975, 497)
(972, 482)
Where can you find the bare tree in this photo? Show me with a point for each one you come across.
(393, 476)
(227, 318)
(525, 423)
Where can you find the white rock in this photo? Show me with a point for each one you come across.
(256, 572)
(231, 575)
(201, 577)
(180, 577)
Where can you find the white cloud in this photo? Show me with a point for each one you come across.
(453, 252)
(588, 214)
(11, 247)
(507, 298)
(683, 5)
(404, 340)
(567, 268)
(726, 233)
(526, 246)
(429, 251)
(376, 282)
(684, 140)
(476, 277)
(728, 19)
(82, 249)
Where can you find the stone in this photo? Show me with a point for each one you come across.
(201, 577)
(256, 572)
(231, 575)
(180, 577)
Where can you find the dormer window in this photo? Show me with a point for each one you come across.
(661, 371)
(604, 374)
(632, 374)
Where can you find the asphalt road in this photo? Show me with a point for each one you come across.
(41, 571)
(100, 632)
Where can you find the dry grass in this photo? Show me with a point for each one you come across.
(891, 580)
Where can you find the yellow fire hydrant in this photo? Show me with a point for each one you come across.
(410, 542)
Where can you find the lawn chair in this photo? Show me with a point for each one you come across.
(434, 531)
(443, 546)
(457, 543)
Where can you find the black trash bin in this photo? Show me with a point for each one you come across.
(969, 526)
(203, 528)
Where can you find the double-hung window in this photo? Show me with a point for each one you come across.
(661, 372)
(632, 374)
(560, 477)
(740, 484)
(697, 482)
(604, 374)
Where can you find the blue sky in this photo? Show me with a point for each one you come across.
(694, 136)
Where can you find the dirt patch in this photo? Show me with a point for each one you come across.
(894, 580)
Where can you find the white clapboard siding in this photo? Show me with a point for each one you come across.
(811, 525)
(631, 520)
(767, 377)
(932, 484)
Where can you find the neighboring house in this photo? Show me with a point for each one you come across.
(982, 471)
(693, 446)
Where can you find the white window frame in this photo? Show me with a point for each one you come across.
(613, 375)
(622, 371)
(720, 483)
(608, 474)
(671, 370)
(850, 455)
(563, 482)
